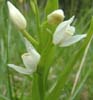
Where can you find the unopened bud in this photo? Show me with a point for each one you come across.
(56, 17)
(16, 16)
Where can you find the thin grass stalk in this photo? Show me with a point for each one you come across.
(81, 84)
(80, 68)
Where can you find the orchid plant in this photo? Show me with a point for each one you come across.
(53, 33)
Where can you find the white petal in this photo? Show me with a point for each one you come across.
(16, 16)
(27, 59)
(64, 24)
(20, 69)
(57, 39)
(60, 33)
(72, 40)
(70, 30)
(32, 50)
(30, 61)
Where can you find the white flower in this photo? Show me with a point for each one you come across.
(16, 16)
(63, 35)
(56, 17)
(30, 60)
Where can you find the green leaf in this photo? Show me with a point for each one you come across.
(44, 66)
(64, 76)
(51, 6)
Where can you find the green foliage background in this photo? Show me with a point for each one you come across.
(10, 38)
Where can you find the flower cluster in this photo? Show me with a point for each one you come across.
(62, 37)
(64, 33)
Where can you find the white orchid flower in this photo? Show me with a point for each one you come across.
(64, 34)
(17, 18)
(30, 60)
(56, 17)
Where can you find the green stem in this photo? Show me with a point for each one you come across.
(37, 16)
(30, 38)
(41, 86)
(44, 23)
(14, 87)
(9, 84)
(8, 73)
(35, 88)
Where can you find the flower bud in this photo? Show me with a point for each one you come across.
(56, 17)
(16, 16)
(21, 1)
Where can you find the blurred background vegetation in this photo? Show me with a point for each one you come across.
(11, 47)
